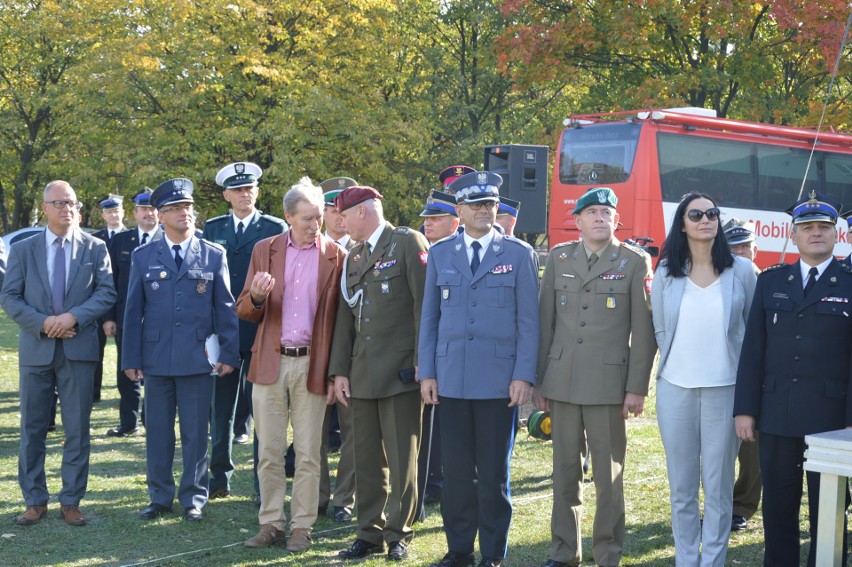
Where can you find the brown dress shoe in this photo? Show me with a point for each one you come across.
(72, 515)
(299, 540)
(33, 515)
(268, 535)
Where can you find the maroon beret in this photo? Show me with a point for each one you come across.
(355, 195)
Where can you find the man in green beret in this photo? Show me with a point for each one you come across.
(594, 364)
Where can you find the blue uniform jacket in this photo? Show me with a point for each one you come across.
(795, 371)
(121, 247)
(221, 230)
(170, 312)
(479, 332)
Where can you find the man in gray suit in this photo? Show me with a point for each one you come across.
(477, 351)
(57, 286)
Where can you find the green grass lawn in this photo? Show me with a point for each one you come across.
(116, 535)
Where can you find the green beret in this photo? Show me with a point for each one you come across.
(597, 196)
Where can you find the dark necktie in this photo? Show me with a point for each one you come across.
(368, 248)
(144, 238)
(813, 273)
(58, 286)
(178, 259)
(474, 260)
(111, 234)
(239, 229)
(593, 257)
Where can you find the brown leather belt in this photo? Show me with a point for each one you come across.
(295, 350)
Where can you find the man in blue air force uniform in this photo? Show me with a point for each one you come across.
(178, 295)
(795, 372)
(477, 352)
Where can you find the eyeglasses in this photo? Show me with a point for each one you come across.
(187, 207)
(478, 205)
(62, 204)
(695, 215)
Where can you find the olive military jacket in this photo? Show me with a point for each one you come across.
(376, 338)
(597, 340)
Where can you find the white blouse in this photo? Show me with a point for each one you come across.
(699, 356)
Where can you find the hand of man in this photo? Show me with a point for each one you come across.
(330, 397)
(222, 369)
(110, 328)
(519, 392)
(134, 374)
(633, 403)
(341, 390)
(745, 427)
(429, 391)
(261, 285)
(60, 326)
(539, 401)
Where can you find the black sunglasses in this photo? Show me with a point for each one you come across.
(695, 215)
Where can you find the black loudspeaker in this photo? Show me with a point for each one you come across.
(524, 172)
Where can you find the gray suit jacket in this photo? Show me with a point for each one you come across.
(26, 296)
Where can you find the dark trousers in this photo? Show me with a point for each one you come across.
(165, 396)
(748, 485)
(242, 414)
(781, 460)
(38, 385)
(476, 452)
(99, 367)
(129, 392)
(430, 475)
(226, 390)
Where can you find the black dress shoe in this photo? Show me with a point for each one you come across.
(154, 511)
(342, 514)
(488, 562)
(397, 551)
(453, 559)
(738, 523)
(122, 431)
(360, 549)
(553, 563)
(192, 515)
(219, 493)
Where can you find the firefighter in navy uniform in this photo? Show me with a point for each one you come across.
(795, 372)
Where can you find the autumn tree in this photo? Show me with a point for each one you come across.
(765, 61)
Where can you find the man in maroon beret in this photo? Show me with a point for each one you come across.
(373, 365)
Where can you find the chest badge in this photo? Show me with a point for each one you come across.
(163, 275)
(386, 288)
(563, 256)
(155, 286)
(201, 287)
(445, 294)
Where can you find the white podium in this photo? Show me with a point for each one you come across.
(830, 454)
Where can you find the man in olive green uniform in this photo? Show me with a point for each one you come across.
(595, 356)
(373, 362)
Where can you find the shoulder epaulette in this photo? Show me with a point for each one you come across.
(635, 249)
(218, 219)
(846, 267)
(214, 245)
(566, 243)
(774, 267)
(273, 219)
(402, 230)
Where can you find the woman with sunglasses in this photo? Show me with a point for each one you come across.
(700, 299)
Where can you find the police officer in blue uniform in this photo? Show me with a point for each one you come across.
(238, 232)
(112, 211)
(121, 247)
(795, 375)
(177, 298)
(848, 216)
(477, 352)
